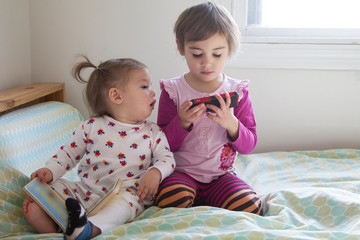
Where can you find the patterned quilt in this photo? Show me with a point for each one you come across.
(307, 195)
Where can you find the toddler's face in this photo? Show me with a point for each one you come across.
(138, 98)
(206, 58)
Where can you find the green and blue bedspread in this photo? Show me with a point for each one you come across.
(307, 195)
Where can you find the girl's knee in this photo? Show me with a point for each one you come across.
(250, 203)
(182, 197)
(257, 206)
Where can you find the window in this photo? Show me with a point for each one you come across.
(304, 13)
(307, 34)
(327, 19)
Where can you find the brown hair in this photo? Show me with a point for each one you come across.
(202, 21)
(109, 74)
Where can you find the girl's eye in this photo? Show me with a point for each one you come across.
(217, 55)
(197, 55)
(144, 87)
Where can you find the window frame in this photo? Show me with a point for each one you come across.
(293, 48)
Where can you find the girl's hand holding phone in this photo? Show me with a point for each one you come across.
(224, 116)
(189, 115)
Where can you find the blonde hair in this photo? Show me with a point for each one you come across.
(109, 74)
(202, 21)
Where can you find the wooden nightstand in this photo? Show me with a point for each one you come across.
(31, 94)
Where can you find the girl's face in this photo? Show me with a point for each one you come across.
(137, 98)
(206, 58)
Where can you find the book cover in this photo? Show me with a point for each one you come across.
(54, 205)
(49, 200)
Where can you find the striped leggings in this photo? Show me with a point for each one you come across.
(228, 191)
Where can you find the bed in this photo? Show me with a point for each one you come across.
(307, 194)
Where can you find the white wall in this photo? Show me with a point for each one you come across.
(295, 109)
(14, 44)
(304, 109)
(61, 30)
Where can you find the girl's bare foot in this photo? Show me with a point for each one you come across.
(37, 217)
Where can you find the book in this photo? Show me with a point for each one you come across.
(113, 190)
(54, 205)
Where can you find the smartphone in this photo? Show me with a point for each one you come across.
(234, 97)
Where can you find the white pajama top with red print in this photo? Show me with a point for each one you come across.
(105, 150)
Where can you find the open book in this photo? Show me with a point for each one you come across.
(54, 205)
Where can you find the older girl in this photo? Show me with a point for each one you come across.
(205, 144)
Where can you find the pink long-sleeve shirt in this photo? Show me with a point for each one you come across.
(205, 151)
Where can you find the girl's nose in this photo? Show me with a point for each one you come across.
(205, 61)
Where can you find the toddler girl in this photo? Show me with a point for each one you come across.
(117, 142)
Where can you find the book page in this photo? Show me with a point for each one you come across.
(113, 190)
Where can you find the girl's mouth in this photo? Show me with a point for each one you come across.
(153, 104)
(206, 73)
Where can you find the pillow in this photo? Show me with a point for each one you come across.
(32, 135)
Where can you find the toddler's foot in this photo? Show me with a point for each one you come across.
(78, 226)
(37, 217)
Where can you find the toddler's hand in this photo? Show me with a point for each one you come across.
(44, 174)
(149, 185)
(224, 116)
(189, 115)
